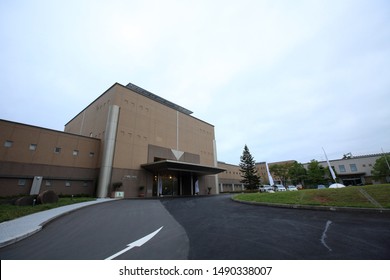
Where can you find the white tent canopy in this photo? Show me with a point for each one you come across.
(336, 186)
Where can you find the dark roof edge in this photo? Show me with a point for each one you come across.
(168, 161)
(357, 157)
(175, 107)
(183, 110)
(158, 99)
(226, 163)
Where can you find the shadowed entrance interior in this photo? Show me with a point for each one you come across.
(172, 178)
(174, 184)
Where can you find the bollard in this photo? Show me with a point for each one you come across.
(34, 202)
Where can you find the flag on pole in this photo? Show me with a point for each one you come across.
(330, 167)
(271, 181)
(196, 187)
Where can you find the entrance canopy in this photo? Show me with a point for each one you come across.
(171, 165)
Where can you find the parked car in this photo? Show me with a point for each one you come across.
(321, 187)
(266, 188)
(292, 188)
(279, 188)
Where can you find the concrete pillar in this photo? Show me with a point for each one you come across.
(108, 151)
(215, 165)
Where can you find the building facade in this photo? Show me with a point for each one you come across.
(230, 179)
(35, 159)
(355, 170)
(128, 142)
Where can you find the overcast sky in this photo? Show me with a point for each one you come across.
(284, 77)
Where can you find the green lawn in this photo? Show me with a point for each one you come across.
(10, 212)
(345, 197)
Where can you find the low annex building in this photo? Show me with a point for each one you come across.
(34, 159)
(128, 142)
(355, 170)
(230, 179)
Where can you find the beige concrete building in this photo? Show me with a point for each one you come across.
(35, 159)
(127, 137)
(355, 170)
(149, 142)
(230, 179)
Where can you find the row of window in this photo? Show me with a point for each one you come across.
(127, 102)
(233, 172)
(33, 147)
(48, 183)
(352, 166)
(232, 185)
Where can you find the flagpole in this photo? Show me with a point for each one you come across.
(330, 167)
(270, 179)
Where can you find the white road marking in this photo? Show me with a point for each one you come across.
(137, 243)
(324, 235)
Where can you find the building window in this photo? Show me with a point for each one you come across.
(342, 168)
(57, 150)
(67, 184)
(91, 154)
(353, 167)
(8, 143)
(21, 182)
(48, 183)
(75, 152)
(33, 147)
(85, 184)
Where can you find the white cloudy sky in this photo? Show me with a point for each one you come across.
(284, 77)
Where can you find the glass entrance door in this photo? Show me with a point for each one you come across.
(169, 184)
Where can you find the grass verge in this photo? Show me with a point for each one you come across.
(10, 212)
(345, 197)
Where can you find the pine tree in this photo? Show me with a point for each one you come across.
(248, 169)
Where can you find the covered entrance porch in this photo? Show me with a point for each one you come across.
(175, 178)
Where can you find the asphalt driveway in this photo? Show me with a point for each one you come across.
(219, 228)
(203, 228)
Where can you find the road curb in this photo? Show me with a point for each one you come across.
(315, 207)
(27, 225)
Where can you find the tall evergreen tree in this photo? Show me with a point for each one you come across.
(248, 169)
